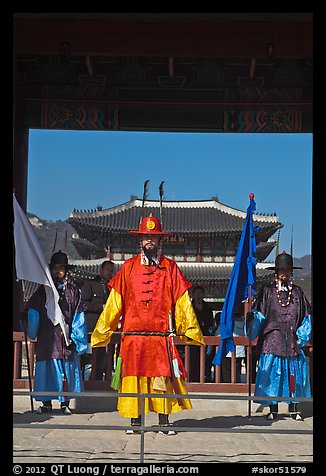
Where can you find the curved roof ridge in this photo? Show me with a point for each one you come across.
(105, 211)
(92, 262)
(135, 203)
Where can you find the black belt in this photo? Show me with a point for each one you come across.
(146, 333)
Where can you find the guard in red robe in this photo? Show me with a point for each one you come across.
(150, 295)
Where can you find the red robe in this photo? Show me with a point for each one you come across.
(149, 295)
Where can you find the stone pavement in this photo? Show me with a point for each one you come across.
(238, 439)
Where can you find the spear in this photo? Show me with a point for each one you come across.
(277, 243)
(291, 245)
(55, 240)
(66, 242)
(161, 192)
(145, 196)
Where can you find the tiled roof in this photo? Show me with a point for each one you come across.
(204, 272)
(264, 249)
(190, 217)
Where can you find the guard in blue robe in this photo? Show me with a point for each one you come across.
(281, 318)
(57, 364)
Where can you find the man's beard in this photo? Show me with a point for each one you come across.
(150, 253)
(58, 280)
(285, 280)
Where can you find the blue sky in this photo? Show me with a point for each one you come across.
(83, 169)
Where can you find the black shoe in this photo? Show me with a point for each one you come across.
(132, 431)
(296, 416)
(65, 409)
(134, 423)
(167, 432)
(163, 421)
(272, 416)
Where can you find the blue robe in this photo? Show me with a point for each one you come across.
(57, 366)
(282, 333)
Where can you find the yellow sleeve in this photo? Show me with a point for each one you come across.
(108, 320)
(186, 321)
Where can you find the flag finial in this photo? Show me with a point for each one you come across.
(251, 196)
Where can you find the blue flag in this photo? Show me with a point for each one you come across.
(242, 277)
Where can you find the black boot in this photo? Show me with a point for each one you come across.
(134, 422)
(163, 420)
(273, 412)
(65, 407)
(45, 408)
(294, 413)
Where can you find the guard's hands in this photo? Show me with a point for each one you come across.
(71, 346)
(24, 320)
(24, 316)
(250, 316)
(68, 349)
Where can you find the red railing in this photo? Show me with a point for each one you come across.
(20, 373)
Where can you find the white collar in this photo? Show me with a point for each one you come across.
(145, 261)
(281, 287)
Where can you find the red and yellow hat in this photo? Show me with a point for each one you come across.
(149, 226)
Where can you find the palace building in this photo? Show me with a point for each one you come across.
(204, 241)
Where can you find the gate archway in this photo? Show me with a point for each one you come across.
(191, 72)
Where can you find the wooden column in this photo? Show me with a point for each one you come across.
(20, 165)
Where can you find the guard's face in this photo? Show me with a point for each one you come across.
(149, 242)
(284, 274)
(58, 272)
(107, 271)
(198, 296)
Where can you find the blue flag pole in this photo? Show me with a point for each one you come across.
(252, 281)
(242, 283)
(249, 355)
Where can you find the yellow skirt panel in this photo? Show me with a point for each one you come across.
(130, 407)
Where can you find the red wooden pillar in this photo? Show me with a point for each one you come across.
(20, 166)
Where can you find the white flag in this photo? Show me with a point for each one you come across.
(31, 266)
